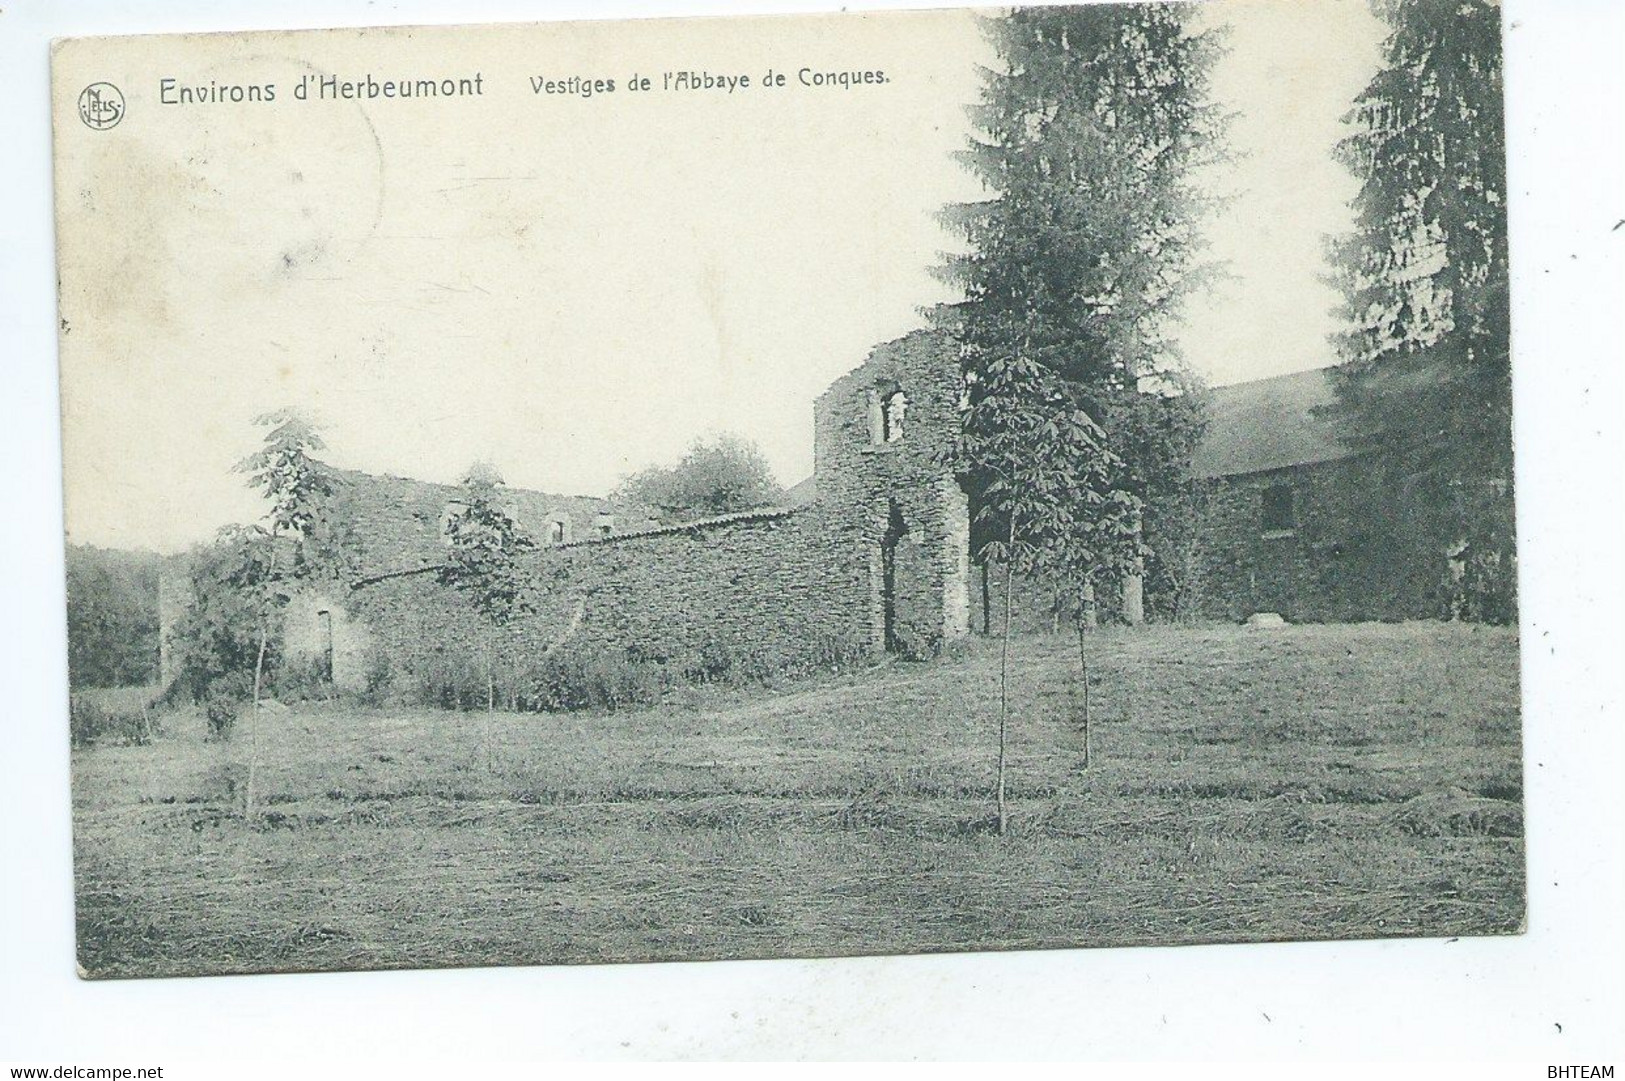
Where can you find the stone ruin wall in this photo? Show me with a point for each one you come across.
(869, 485)
(760, 586)
(787, 587)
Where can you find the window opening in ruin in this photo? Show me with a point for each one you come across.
(1280, 512)
(555, 531)
(324, 644)
(891, 416)
(886, 404)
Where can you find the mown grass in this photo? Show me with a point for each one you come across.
(1305, 782)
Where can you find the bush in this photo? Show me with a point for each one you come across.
(94, 718)
(582, 678)
(379, 680)
(593, 681)
(300, 679)
(220, 711)
(217, 636)
(451, 680)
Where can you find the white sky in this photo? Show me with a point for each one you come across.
(573, 288)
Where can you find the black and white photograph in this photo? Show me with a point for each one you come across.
(903, 483)
(1063, 531)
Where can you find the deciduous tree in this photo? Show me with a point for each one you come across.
(1051, 488)
(112, 617)
(716, 476)
(297, 540)
(484, 557)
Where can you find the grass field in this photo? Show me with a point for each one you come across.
(1248, 784)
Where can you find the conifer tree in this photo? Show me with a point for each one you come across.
(1089, 242)
(1078, 263)
(1427, 372)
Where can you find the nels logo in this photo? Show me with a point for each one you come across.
(101, 106)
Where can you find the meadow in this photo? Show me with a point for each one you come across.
(1246, 784)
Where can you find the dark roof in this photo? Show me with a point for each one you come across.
(1271, 424)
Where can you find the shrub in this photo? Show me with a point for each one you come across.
(301, 679)
(584, 678)
(94, 718)
(217, 636)
(220, 711)
(451, 680)
(379, 679)
(594, 680)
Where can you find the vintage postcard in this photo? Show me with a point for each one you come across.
(785, 487)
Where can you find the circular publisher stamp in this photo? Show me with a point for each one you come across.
(101, 106)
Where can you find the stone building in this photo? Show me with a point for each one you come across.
(1287, 521)
(870, 556)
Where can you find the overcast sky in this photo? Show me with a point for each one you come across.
(575, 288)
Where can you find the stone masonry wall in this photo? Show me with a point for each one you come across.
(882, 492)
(1336, 563)
(764, 586)
(878, 561)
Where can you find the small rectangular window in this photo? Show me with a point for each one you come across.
(1280, 513)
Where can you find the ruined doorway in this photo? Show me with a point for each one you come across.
(896, 530)
(910, 608)
(324, 645)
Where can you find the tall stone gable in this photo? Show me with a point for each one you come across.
(897, 514)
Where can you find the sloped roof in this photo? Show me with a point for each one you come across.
(802, 492)
(1271, 424)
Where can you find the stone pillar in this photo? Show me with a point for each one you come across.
(955, 559)
(173, 583)
(1088, 615)
(1133, 599)
(1134, 585)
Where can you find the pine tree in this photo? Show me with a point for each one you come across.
(1089, 244)
(1427, 372)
